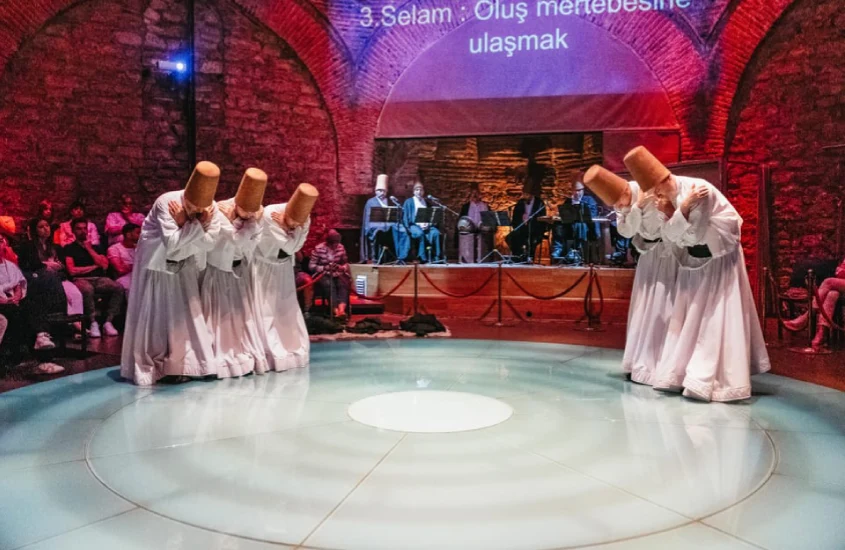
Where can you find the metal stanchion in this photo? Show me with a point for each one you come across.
(763, 307)
(592, 320)
(811, 320)
(499, 297)
(416, 287)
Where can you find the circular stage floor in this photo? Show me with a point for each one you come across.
(561, 452)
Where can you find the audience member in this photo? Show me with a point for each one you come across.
(22, 316)
(42, 267)
(116, 221)
(65, 235)
(329, 258)
(87, 269)
(830, 290)
(121, 255)
(8, 230)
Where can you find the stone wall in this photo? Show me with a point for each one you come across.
(297, 86)
(87, 115)
(790, 105)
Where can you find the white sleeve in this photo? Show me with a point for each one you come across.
(691, 232)
(246, 235)
(628, 221)
(289, 241)
(177, 238)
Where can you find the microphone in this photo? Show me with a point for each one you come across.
(433, 198)
(394, 200)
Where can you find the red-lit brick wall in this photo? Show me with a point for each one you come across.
(296, 86)
(84, 116)
(790, 104)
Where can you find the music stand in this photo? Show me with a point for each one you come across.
(384, 214)
(433, 216)
(495, 220)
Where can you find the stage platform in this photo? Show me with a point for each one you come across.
(443, 289)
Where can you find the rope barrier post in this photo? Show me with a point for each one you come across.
(811, 319)
(588, 303)
(499, 297)
(416, 287)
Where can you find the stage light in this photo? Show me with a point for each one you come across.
(171, 66)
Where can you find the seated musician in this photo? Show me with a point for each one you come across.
(472, 210)
(475, 206)
(576, 226)
(524, 240)
(375, 235)
(425, 235)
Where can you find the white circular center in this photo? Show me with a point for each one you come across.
(430, 411)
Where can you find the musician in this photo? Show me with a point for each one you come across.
(576, 226)
(329, 258)
(469, 224)
(425, 234)
(474, 206)
(518, 240)
(374, 235)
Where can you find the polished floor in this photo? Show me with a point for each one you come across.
(561, 452)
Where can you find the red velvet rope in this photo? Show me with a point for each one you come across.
(383, 296)
(558, 295)
(311, 283)
(452, 294)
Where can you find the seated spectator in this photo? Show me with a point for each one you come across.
(829, 292)
(116, 221)
(22, 316)
(122, 255)
(329, 258)
(87, 269)
(45, 212)
(8, 229)
(64, 234)
(46, 275)
(303, 280)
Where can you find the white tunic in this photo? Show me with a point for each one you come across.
(227, 300)
(166, 333)
(282, 328)
(653, 292)
(714, 342)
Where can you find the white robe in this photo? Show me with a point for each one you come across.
(282, 329)
(227, 300)
(653, 292)
(714, 342)
(166, 333)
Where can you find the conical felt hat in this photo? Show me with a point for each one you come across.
(381, 182)
(301, 203)
(605, 184)
(646, 170)
(251, 191)
(203, 184)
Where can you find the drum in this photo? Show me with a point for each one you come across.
(466, 225)
(466, 248)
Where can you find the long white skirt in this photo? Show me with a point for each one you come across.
(231, 318)
(714, 342)
(168, 334)
(652, 299)
(282, 329)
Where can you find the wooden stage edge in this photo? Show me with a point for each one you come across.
(443, 289)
